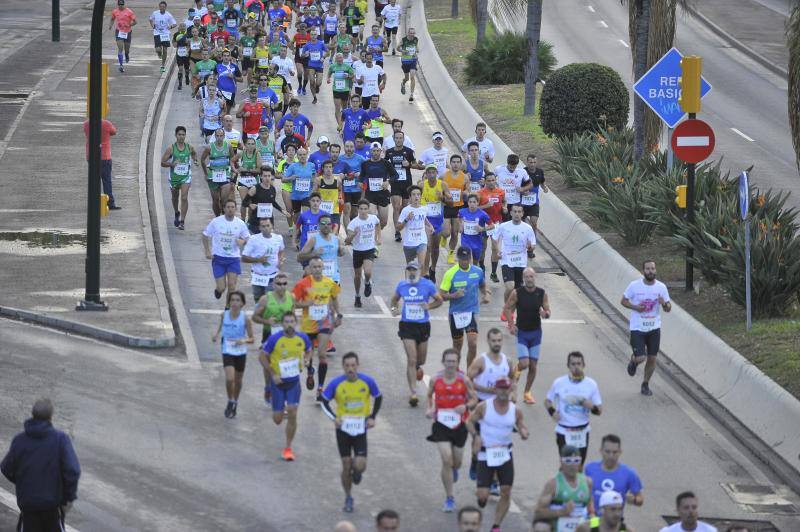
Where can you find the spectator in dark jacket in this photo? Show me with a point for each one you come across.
(42, 464)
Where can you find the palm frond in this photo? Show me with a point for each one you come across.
(507, 12)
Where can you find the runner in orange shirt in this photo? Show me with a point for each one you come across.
(493, 201)
(125, 20)
(458, 184)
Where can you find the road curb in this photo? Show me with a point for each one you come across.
(707, 369)
(83, 329)
(736, 43)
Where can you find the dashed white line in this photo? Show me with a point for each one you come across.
(626, 45)
(742, 134)
(603, 23)
(590, 8)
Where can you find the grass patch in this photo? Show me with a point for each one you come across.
(772, 345)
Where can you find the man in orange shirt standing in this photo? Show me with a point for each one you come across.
(106, 130)
(125, 20)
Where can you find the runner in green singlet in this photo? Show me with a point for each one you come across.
(265, 147)
(566, 500)
(247, 45)
(343, 76)
(179, 158)
(203, 68)
(216, 163)
(247, 165)
(286, 188)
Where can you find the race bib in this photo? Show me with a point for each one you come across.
(414, 311)
(194, 45)
(247, 181)
(289, 368)
(648, 325)
(263, 62)
(371, 85)
(302, 184)
(182, 51)
(356, 29)
(401, 174)
(339, 84)
(182, 169)
(415, 235)
(455, 195)
(227, 95)
(226, 242)
(264, 210)
(315, 55)
(470, 227)
(462, 319)
(354, 425)
(449, 418)
(259, 279)
(268, 159)
(577, 438)
(494, 200)
(164, 36)
(568, 524)
(122, 34)
(475, 186)
(231, 22)
(517, 259)
(232, 348)
(411, 50)
(349, 182)
(247, 51)
(497, 456)
(326, 206)
(434, 209)
(328, 268)
(219, 176)
(375, 184)
(374, 132)
(529, 199)
(318, 312)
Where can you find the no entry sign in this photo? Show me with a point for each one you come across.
(693, 141)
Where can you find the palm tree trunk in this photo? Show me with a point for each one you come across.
(793, 42)
(639, 69)
(533, 30)
(482, 15)
(454, 8)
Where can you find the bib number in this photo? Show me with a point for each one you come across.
(289, 368)
(568, 524)
(326, 206)
(339, 84)
(470, 228)
(497, 456)
(475, 186)
(302, 184)
(219, 176)
(259, 279)
(264, 210)
(315, 56)
(354, 425)
(194, 45)
(232, 348)
(414, 311)
(517, 259)
(512, 196)
(577, 438)
(374, 132)
(231, 22)
(529, 199)
(247, 181)
(455, 196)
(349, 182)
(318, 312)
(182, 169)
(122, 34)
(375, 184)
(247, 51)
(268, 160)
(411, 50)
(462, 319)
(328, 268)
(449, 418)
(263, 62)
(164, 36)
(434, 209)
(182, 52)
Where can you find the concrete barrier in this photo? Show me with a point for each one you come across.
(768, 410)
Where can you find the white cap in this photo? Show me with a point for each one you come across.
(376, 145)
(437, 135)
(610, 497)
(321, 139)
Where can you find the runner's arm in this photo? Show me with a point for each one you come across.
(546, 306)
(258, 312)
(437, 301)
(472, 397)
(326, 407)
(248, 326)
(215, 337)
(510, 304)
(520, 424)
(473, 418)
(166, 157)
(376, 406)
(307, 253)
(543, 510)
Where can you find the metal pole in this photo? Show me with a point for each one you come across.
(92, 300)
(747, 273)
(669, 149)
(690, 220)
(56, 29)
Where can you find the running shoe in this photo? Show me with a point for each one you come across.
(442, 241)
(319, 395)
(163, 68)
(356, 476)
(413, 401)
(397, 236)
(229, 410)
(528, 398)
(646, 389)
(411, 98)
(348, 505)
(494, 278)
(367, 289)
(420, 373)
(632, 368)
(310, 378)
(451, 257)
(473, 470)
(288, 455)
(121, 69)
(494, 489)
(402, 87)
(449, 505)
(495, 528)
(177, 219)
(217, 293)
(393, 52)
(331, 347)
(358, 304)
(233, 409)
(127, 58)
(432, 275)
(181, 226)
(314, 101)
(268, 395)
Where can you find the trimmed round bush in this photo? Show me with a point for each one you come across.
(582, 97)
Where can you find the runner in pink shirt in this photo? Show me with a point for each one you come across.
(125, 20)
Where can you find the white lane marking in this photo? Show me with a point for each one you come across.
(626, 45)
(590, 8)
(10, 500)
(693, 141)
(381, 303)
(742, 134)
(603, 23)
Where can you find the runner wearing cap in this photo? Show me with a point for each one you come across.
(434, 194)
(475, 224)
(610, 506)
(419, 295)
(415, 227)
(252, 112)
(569, 402)
(376, 174)
(460, 286)
(321, 155)
(566, 500)
(498, 417)
(458, 186)
(436, 154)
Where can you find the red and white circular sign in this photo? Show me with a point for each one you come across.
(693, 141)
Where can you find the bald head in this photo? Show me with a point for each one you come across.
(529, 278)
(345, 526)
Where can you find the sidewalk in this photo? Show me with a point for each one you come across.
(44, 173)
(750, 26)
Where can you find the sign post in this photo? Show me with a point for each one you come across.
(669, 149)
(744, 208)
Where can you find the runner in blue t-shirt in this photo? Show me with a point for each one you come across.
(419, 295)
(315, 50)
(302, 124)
(362, 148)
(611, 474)
(308, 222)
(301, 176)
(474, 221)
(351, 186)
(353, 119)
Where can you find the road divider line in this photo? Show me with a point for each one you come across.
(590, 8)
(603, 23)
(626, 45)
(742, 134)
(8, 499)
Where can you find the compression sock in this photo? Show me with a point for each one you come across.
(305, 83)
(321, 372)
(494, 267)
(119, 58)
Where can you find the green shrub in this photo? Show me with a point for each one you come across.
(591, 159)
(583, 97)
(622, 206)
(501, 60)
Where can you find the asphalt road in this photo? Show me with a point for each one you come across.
(747, 107)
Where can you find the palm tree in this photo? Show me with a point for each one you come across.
(454, 8)
(480, 14)
(793, 41)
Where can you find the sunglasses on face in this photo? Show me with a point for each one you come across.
(324, 223)
(571, 460)
(281, 284)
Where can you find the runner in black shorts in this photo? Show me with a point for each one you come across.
(376, 174)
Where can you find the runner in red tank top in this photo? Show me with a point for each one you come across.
(250, 112)
(450, 395)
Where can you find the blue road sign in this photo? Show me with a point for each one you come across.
(744, 195)
(660, 90)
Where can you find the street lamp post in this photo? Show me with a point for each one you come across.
(56, 22)
(92, 300)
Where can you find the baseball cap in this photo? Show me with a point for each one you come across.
(196, 17)
(321, 139)
(375, 145)
(437, 135)
(263, 128)
(312, 7)
(502, 382)
(431, 165)
(464, 252)
(413, 265)
(610, 497)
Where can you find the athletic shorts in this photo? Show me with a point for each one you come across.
(179, 181)
(411, 252)
(646, 343)
(159, 43)
(247, 63)
(441, 433)
(352, 198)
(360, 256)
(529, 344)
(412, 330)
(472, 327)
(504, 472)
(182, 62)
(126, 39)
(222, 265)
(357, 90)
(390, 31)
(379, 62)
(319, 69)
(381, 198)
(300, 60)
(400, 188)
(476, 248)
(237, 362)
(298, 204)
(531, 210)
(351, 445)
(327, 37)
(436, 223)
(342, 96)
(231, 100)
(512, 274)
(450, 212)
(379, 7)
(285, 394)
(408, 66)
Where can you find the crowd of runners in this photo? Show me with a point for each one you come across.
(248, 67)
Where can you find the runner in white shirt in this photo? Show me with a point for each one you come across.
(371, 78)
(510, 178)
(223, 239)
(162, 21)
(364, 234)
(285, 64)
(358, 64)
(485, 145)
(569, 402)
(265, 251)
(388, 142)
(415, 227)
(232, 135)
(515, 238)
(391, 22)
(686, 504)
(436, 154)
(646, 297)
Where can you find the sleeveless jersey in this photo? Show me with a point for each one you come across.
(219, 158)
(491, 372)
(233, 329)
(475, 174)
(450, 395)
(330, 196)
(328, 251)
(430, 199)
(528, 305)
(496, 428)
(579, 495)
(456, 185)
(251, 123)
(183, 168)
(266, 152)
